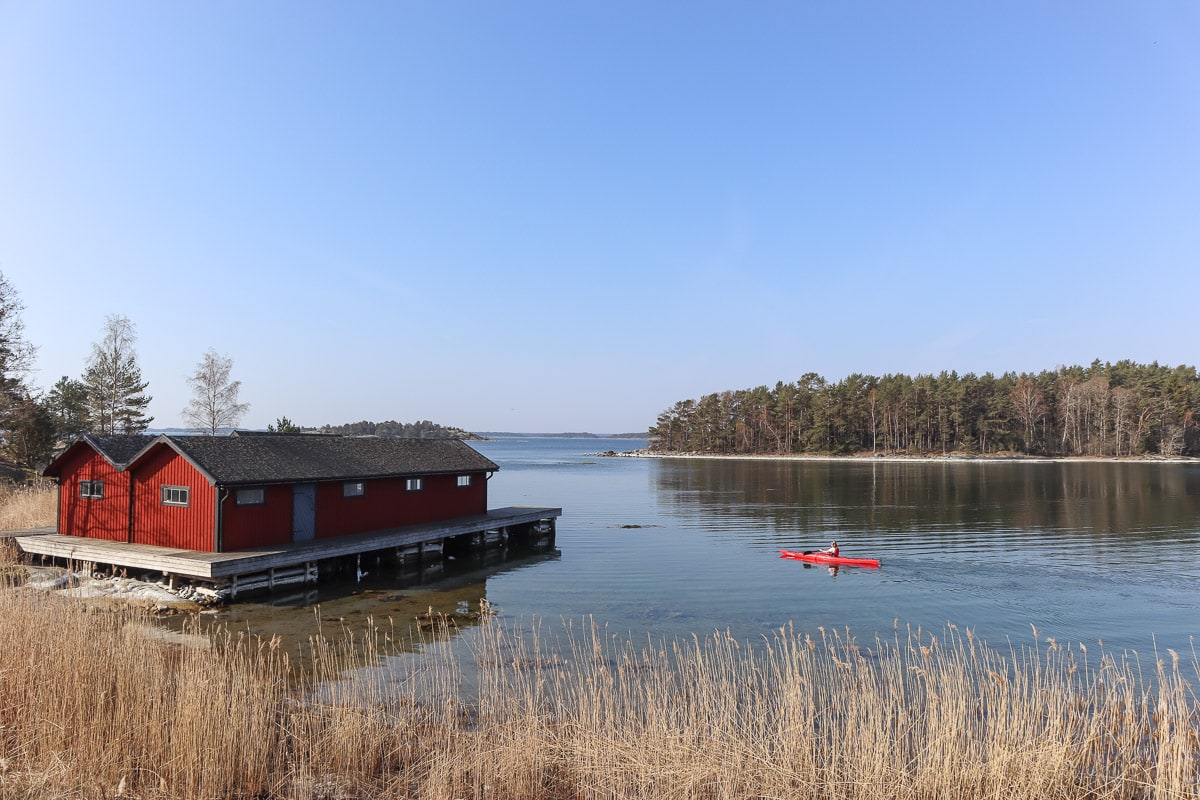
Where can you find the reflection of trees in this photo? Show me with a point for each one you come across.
(815, 496)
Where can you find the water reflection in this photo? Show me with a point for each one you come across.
(1090, 551)
(831, 569)
(871, 495)
(675, 548)
(391, 601)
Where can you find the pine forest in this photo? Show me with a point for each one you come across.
(1102, 410)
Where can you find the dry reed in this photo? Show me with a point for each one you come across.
(27, 506)
(103, 704)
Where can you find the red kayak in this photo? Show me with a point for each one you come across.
(825, 558)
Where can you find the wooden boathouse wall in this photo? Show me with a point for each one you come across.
(263, 525)
(397, 483)
(105, 517)
(191, 527)
(172, 502)
(389, 503)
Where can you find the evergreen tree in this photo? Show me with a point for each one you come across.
(29, 439)
(67, 405)
(284, 425)
(422, 429)
(117, 398)
(1123, 409)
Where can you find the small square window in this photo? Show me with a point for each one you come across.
(354, 489)
(93, 490)
(413, 484)
(251, 497)
(464, 480)
(175, 495)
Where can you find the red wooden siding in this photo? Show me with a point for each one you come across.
(441, 498)
(132, 508)
(386, 503)
(96, 518)
(252, 526)
(191, 527)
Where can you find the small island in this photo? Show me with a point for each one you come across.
(1104, 410)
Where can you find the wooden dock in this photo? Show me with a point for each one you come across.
(244, 570)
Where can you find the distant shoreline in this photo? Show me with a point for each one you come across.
(896, 458)
(580, 435)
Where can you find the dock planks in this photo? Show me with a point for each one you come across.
(200, 565)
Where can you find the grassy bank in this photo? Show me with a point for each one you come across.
(105, 706)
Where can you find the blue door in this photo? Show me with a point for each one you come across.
(304, 512)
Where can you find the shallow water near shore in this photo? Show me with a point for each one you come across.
(658, 549)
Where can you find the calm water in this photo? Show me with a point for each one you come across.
(1085, 552)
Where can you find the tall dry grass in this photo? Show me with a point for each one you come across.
(27, 506)
(101, 705)
(918, 716)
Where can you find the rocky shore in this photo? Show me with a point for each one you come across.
(84, 585)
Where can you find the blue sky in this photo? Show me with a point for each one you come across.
(568, 216)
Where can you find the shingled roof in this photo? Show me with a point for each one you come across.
(299, 458)
(118, 449)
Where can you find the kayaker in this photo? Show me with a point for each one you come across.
(831, 550)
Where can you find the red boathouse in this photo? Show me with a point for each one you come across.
(94, 498)
(227, 493)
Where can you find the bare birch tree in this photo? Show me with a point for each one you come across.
(214, 404)
(1030, 404)
(16, 354)
(1094, 400)
(1068, 412)
(1122, 405)
(16, 359)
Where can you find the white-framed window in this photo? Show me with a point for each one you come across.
(175, 495)
(464, 480)
(93, 490)
(354, 489)
(413, 484)
(251, 497)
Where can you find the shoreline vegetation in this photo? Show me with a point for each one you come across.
(1104, 409)
(106, 708)
(27, 505)
(110, 706)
